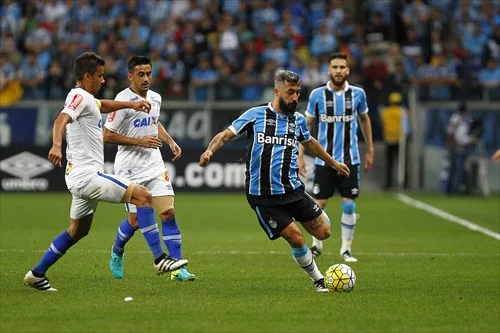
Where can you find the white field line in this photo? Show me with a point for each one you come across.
(231, 252)
(447, 216)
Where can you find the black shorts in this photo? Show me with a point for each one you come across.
(326, 180)
(276, 212)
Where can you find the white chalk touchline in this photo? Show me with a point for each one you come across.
(231, 252)
(447, 216)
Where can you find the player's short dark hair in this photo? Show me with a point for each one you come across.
(338, 55)
(87, 63)
(285, 75)
(137, 61)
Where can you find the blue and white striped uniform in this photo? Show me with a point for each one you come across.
(336, 116)
(271, 160)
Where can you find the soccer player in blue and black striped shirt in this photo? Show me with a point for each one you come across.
(335, 108)
(274, 190)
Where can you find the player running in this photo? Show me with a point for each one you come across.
(140, 137)
(274, 190)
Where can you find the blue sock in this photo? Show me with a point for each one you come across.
(172, 238)
(149, 229)
(56, 250)
(125, 232)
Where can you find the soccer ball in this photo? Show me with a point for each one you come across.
(340, 277)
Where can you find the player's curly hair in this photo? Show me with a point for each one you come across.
(87, 63)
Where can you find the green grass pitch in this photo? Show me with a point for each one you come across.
(416, 271)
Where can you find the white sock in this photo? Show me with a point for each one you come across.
(348, 226)
(303, 257)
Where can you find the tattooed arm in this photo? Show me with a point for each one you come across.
(217, 143)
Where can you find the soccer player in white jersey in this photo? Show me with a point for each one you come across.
(81, 119)
(140, 137)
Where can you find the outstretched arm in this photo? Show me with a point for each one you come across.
(366, 128)
(107, 105)
(315, 149)
(55, 153)
(217, 143)
(165, 137)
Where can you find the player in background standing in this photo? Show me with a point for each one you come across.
(274, 190)
(140, 137)
(336, 107)
(85, 178)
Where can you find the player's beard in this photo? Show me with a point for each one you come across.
(337, 82)
(287, 108)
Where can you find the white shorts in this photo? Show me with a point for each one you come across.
(159, 187)
(97, 187)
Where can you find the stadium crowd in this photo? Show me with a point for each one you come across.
(235, 46)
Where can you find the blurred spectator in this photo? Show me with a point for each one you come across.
(174, 74)
(416, 16)
(313, 74)
(159, 39)
(7, 71)
(412, 50)
(323, 41)
(439, 75)
(492, 48)
(54, 11)
(10, 49)
(378, 32)
(226, 87)
(10, 88)
(10, 16)
(375, 73)
(32, 76)
(54, 84)
(396, 128)
(458, 141)
(475, 41)
(490, 76)
(288, 32)
(136, 35)
(248, 80)
(277, 53)
(203, 77)
(335, 15)
(399, 81)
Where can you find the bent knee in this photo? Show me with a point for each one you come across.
(169, 214)
(141, 197)
(325, 234)
(295, 238)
